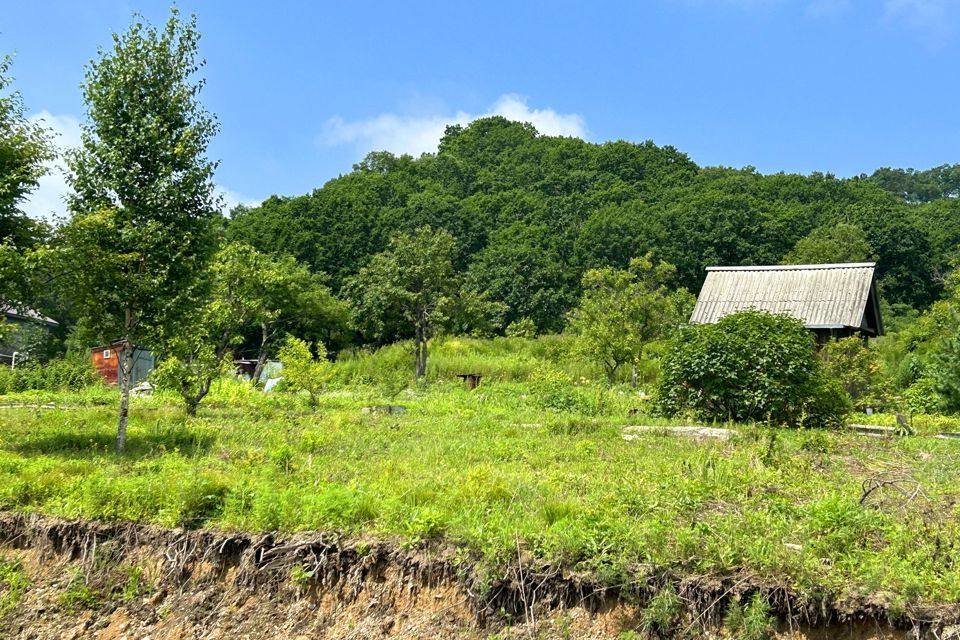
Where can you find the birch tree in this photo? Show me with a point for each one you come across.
(141, 230)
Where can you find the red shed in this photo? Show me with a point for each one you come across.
(106, 360)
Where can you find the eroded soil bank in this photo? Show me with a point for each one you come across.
(113, 581)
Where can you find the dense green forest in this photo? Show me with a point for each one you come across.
(502, 231)
(561, 272)
(531, 214)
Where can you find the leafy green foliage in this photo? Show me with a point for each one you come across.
(13, 585)
(24, 148)
(922, 396)
(190, 365)
(304, 372)
(947, 364)
(249, 290)
(831, 244)
(916, 186)
(858, 369)
(55, 375)
(79, 595)
(269, 295)
(749, 366)
(143, 212)
(554, 390)
(621, 311)
(409, 290)
(532, 214)
(522, 328)
(752, 621)
(661, 615)
(522, 268)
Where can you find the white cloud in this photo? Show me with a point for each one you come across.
(416, 134)
(48, 200)
(231, 199)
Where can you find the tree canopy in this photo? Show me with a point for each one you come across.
(143, 211)
(532, 213)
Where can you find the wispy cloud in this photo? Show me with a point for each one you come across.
(48, 200)
(231, 199)
(828, 9)
(935, 20)
(416, 134)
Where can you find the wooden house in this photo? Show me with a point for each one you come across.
(27, 323)
(832, 300)
(106, 360)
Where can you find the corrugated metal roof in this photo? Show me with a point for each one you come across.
(822, 295)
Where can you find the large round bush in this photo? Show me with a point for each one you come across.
(750, 366)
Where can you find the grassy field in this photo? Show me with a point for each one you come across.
(530, 459)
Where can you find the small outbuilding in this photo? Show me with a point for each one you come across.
(832, 300)
(28, 325)
(106, 360)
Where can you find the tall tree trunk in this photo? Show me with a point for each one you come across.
(633, 375)
(420, 349)
(262, 353)
(126, 372)
(423, 358)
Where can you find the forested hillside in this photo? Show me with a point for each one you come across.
(530, 214)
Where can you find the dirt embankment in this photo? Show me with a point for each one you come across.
(114, 581)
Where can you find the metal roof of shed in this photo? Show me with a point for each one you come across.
(823, 296)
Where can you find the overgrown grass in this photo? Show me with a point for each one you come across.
(511, 462)
(921, 423)
(13, 585)
(497, 360)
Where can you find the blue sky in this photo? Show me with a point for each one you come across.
(303, 90)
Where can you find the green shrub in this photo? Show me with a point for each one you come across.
(79, 595)
(751, 622)
(303, 372)
(946, 363)
(859, 371)
(749, 366)
(522, 328)
(13, 585)
(827, 405)
(555, 390)
(662, 613)
(55, 375)
(922, 396)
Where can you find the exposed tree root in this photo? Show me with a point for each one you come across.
(332, 573)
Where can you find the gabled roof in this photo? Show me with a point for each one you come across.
(823, 296)
(25, 313)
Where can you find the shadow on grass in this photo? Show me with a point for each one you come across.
(189, 440)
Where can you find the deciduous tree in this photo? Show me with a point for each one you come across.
(831, 244)
(620, 311)
(410, 287)
(24, 148)
(304, 372)
(141, 230)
